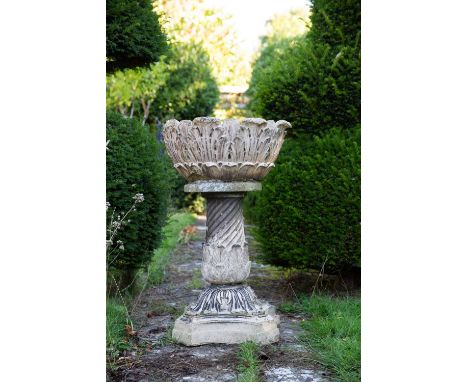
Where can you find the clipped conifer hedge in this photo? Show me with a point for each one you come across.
(136, 163)
(314, 81)
(133, 34)
(308, 212)
(312, 87)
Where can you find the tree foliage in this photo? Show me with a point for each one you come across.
(181, 85)
(313, 88)
(190, 90)
(281, 26)
(133, 34)
(132, 91)
(194, 22)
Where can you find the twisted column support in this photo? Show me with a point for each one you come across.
(225, 252)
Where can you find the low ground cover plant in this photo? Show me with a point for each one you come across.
(117, 319)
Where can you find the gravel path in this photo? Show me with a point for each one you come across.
(159, 359)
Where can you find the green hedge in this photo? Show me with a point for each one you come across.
(335, 22)
(136, 163)
(308, 213)
(133, 34)
(314, 81)
(310, 86)
(309, 209)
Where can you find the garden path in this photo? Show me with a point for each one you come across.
(159, 359)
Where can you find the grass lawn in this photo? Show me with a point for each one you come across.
(333, 333)
(248, 363)
(171, 235)
(116, 319)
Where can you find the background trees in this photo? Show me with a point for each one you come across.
(190, 89)
(181, 85)
(194, 22)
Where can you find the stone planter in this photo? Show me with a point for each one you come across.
(223, 160)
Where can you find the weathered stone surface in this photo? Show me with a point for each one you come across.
(199, 330)
(225, 252)
(207, 186)
(228, 150)
(292, 374)
(237, 300)
(229, 315)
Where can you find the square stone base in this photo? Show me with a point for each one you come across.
(200, 330)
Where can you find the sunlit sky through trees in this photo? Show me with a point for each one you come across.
(250, 16)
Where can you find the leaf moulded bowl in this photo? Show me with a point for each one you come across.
(226, 150)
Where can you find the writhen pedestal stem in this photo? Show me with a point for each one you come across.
(225, 251)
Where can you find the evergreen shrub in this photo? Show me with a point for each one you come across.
(308, 214)
(136, 163)
(335, 22)
(314, 81)
(309, 209)
(190, 90)
(310, 86)
(133, 34)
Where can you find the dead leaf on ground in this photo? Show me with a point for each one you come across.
(129, 330)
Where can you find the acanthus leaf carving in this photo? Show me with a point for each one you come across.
(208, 148)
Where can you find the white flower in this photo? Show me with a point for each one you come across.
(139, 198)
(120, 244)
(107, 205)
